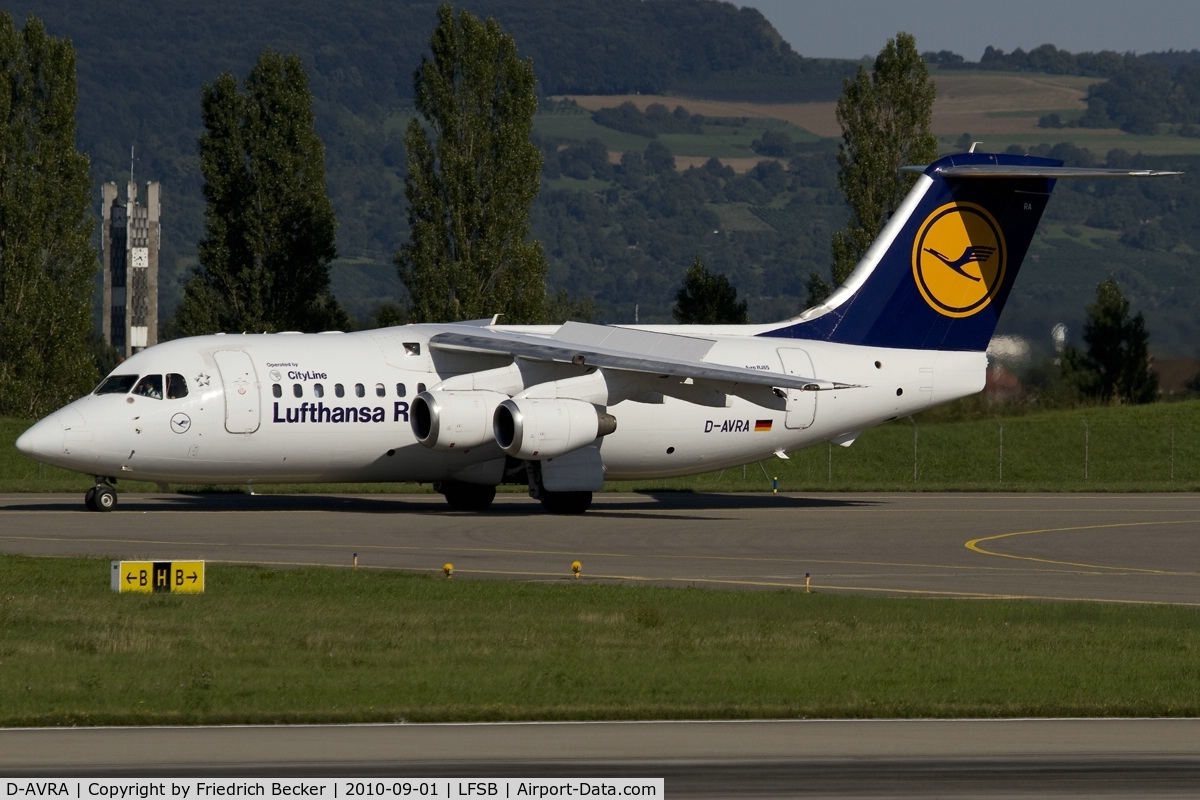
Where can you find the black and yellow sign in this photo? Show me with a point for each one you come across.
(177, 577)
(959, 259)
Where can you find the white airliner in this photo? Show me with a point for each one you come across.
(470, 405)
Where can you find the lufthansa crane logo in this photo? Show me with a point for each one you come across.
(959, 259)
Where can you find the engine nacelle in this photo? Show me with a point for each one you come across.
(536, 429)
(453, 420)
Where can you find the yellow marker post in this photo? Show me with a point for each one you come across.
(146, 577)
(448, 568)
(576, 568)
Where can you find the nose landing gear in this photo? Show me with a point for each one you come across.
(101, 497)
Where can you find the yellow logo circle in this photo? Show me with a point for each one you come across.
(959, 259)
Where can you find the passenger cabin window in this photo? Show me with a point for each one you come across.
(150, 386)
(277, 390)
(176, 386)
(420, 388)
(297, 390)
(339, 390)
(399, 390)
(380, 391)
(116, 384)
(360, 390)
(318, 390)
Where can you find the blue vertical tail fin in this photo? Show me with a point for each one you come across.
(941, 270)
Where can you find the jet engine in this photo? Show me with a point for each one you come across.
(537, 429)
(453, 420)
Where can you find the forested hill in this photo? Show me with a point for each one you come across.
(141, 68)
(361, 53)
(620, 216)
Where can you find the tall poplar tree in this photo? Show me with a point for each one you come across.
(47, 263)
(885, 119)
(1115, 367)
(707, 299)
(269, 223)
(473, 173)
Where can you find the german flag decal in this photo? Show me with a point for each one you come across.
(762, 425)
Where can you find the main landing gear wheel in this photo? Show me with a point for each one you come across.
(467, 496)
(566, 502)
(100, 497)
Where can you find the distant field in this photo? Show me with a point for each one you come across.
(1008, 103)
(969, 101)
(998, 108)
(731, 143)
(817, 118)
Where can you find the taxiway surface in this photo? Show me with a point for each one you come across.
(902, 758)
(1131, 548)
(1100, 548)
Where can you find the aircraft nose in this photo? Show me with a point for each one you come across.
(46, 438)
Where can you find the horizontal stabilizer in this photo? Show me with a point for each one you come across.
(1038, 171)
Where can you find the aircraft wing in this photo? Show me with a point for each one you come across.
(624, 349)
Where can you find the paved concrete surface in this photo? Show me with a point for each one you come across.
(1135, 548)
(1100, 548)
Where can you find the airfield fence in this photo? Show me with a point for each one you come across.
(1143, 448)
(1127, 451)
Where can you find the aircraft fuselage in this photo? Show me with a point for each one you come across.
(336, 407)
(470, 405)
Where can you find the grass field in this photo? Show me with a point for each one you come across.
(335, 645)
(1141, 448)
(998, 108)
(326, 645)
(1154, 447)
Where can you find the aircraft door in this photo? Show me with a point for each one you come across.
(801, 405)
(242, 413)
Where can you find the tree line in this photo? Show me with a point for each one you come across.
(1141, 94)
(359, 65)
(46, 258)
(472, 172)
(359, 62)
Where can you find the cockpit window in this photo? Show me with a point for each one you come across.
(116, 384)
(176, 386)
(150, 386)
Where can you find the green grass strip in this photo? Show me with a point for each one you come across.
(1150, 448)
(335, 645)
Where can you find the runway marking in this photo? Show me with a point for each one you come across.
(768, 572)
(561, 577)
(974, 545)
(513, 551)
